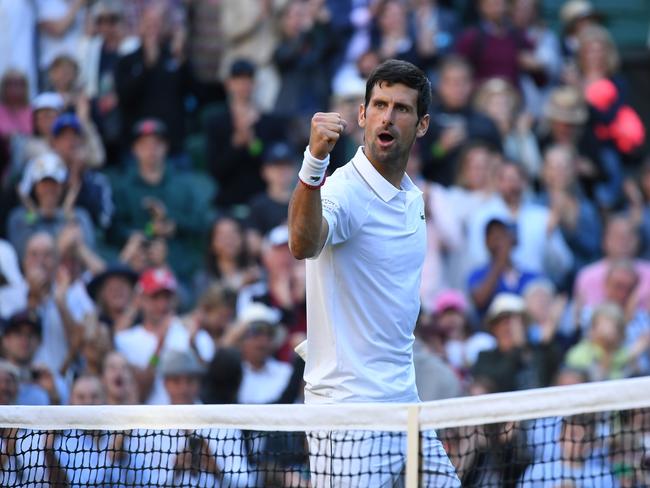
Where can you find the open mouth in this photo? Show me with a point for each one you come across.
(386, 137)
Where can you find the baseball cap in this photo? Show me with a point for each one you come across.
(28, 317)
(106, 7)
(157, 279)
(505, 303)
(260, 318)
(242, 67)
(112, 270)
(279, 153)
(180, 362)
(47, 165)
(449, 300)
(150, 127)
(66, 121)
(508, 224)
(48, 100)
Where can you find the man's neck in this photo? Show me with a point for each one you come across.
(153, 174)
(279, 194)
(393, 174)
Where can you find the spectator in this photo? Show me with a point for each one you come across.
(61, 303)
(391, 36)
(99, 55)
(158, 201)
(575, 15)
(181, 372)
(500, 101)
(547, 313)
(60, 25)
(9, 377)
(579, 221)
(21, 338)
(271, 208)
(638, 196)
(63, 78)
(153, 81)
(540, 246)
(435, 379)
(214, 313)
(545, 60)
(620, 241)
(494, 48)
(13, 289)
(603, 353)
(236, 139)
(113, 292)
(44, 178)
(576, 460)
(259, 335)
(436, 27)
(92, 189)
(346, 100)
(160, 330)
(17, 41)
(453, 121)
(223, 377)
(515, 364)
(118, 380)
(15, 112)
(300, 57)
(229, 261)
(500, 275)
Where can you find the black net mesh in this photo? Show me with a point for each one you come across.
(588, 450)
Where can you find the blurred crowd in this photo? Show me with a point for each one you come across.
(148, 150)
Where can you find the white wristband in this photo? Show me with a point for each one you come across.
(312, 172)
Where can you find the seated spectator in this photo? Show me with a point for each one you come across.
(346, 100)
(453, 122)
(575, 16)
(236, 138)
(13, 289)
(450, 335)
(493, 47)
(62, 78)
(118, 380)
(620, 241)
(153, 82)
(61, 304)
(515, 364)
(92, 188)
(160, 330)
(576, 460)
(500, 101)
(391, 36)
(15, 111)
(578, 218)
(603, 353)
(435, 379)
(540, 247)
(158, 201)
(638, 196)
(500, 275)
(436, 27)
(113, 292)
(38, 385)
(214, 313)
(44, 181)
(271, 208)
(547, 313)
(18, 41)
(229, 262)
(9, 381)
(545, 59)
(223, 377)
(201, 458)
(259, 334)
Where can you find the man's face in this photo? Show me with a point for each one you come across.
(66, 143)
(620, 240)
(390, 123)
(40, 255)
(240, 87)
(257, 347)
(511, 183)
(48, 192)
(87, 391)
(149, 150)
(279, 175)
(493, 10)
(455, 87)
(8, 388)
(183, 389)
(116, 292)
(157, 306)
(498, 237)
(20, 344)
(116, 376)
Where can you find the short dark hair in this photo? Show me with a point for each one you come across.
(395, 71)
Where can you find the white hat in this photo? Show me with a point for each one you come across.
(505, 303)
(48, 100)
(258, 312)
(278, 236)
(180, 363)
(47, 165)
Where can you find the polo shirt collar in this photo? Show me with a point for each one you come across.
(380, 185)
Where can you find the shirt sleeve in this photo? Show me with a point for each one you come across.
(338, 211)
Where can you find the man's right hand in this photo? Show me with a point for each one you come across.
(326, 128)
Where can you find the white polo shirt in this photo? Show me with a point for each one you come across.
(363, 289)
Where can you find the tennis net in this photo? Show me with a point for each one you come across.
(591, 435)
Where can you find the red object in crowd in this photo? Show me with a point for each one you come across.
(157, 279)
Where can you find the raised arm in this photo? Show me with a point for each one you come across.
(307, 227)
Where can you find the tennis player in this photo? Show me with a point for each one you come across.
(364, 234)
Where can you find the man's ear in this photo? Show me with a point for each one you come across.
(362, 116)
(423, 126)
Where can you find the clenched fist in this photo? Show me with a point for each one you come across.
(326, 128)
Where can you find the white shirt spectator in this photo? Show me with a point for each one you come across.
(138, 346)
(363, 289)
(265, 385)
(50, 47)
(13, 289)
(17, 34)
